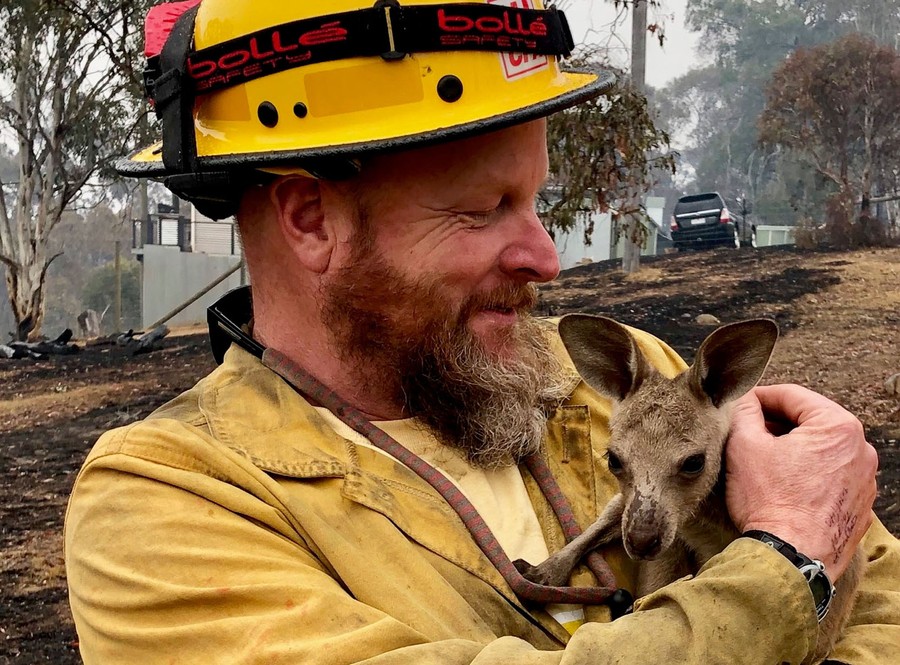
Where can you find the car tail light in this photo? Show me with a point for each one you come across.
(724, 216)
(673, 225)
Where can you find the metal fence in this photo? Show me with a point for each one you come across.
(158, 230)
(206, 237)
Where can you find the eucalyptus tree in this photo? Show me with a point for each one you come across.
(68, 101)
(718, 106)
(835, 107)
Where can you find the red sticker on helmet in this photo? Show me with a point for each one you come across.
(160, 21)
(516, 65)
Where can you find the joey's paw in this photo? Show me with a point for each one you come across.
(547, 575)
(524, 568)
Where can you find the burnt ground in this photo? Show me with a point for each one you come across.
(51, 412)
(839, 314)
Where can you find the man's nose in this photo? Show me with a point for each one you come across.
(530, 254)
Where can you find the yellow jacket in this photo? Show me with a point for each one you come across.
(234, 526)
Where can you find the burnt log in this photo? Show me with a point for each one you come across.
(114, 339)
(126, 338)
(18, 353)
(47, 348)
(148, 342)
(65, 337)
(56, 347)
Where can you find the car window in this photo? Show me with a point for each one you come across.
(699, 203)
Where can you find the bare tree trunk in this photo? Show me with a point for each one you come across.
(26, 299)
(634, 240)
(62, 107)
(118, 294)
(868, 131)
(631, 261)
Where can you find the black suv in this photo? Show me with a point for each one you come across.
(703, 220)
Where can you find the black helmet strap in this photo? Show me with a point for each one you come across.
(173, 96)
(214, 194)
(387, 30)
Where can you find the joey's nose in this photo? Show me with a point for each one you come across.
(530, 255)
(644, 543)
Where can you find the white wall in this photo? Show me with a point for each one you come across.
(572, 250)
(214, 237)
(171, 277)
(767, 236)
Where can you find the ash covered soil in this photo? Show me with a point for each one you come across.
(839, 314)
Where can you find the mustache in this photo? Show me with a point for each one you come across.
(521, 298)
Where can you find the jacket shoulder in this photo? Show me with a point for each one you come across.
(170, 431)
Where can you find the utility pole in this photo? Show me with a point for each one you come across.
(631, 248)
(639, 45)
(117, 312)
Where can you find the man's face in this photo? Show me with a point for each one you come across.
(433, 297)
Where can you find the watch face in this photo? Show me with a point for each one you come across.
(819, 585)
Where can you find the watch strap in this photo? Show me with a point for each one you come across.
(786, 549)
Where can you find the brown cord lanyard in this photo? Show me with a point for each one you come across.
(524, 589)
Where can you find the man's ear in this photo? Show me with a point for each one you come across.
(298, 207)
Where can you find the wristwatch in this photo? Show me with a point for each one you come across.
(813, 570)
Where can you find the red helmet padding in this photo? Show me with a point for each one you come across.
(159, 23)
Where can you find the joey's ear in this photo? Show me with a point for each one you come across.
(732, 359)
(297, 201)
(604, 353)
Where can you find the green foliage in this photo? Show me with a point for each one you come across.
(100, 293)
(86, 240)
(747, 40)
(604, 154)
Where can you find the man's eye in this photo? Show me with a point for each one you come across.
(477, 217)
(480, 217)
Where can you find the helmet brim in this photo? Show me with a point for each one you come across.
(583, 85)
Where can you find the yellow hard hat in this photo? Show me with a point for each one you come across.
(247, 85)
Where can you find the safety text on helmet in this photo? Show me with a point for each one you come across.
(263, 54)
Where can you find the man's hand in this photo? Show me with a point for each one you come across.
(810, 480)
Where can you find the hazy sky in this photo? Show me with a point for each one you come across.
(591, 20)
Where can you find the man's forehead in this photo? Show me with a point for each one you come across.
(504, 158)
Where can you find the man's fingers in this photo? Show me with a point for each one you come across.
(747, 411)
(813, 485)
(794, 404)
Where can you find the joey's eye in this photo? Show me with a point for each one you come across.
(614, 463)
(693, 465)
